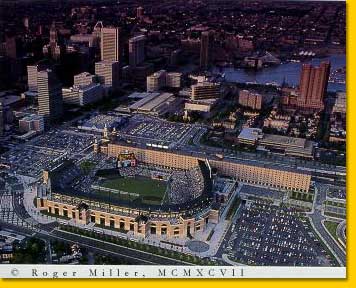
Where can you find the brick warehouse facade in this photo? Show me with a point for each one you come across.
(273, 177)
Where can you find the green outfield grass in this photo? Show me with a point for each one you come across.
(149, 189)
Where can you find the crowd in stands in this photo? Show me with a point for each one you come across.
(145, 171)
(186, 185)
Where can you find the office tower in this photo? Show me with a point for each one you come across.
(97, 28)
(250, 99)
(205, 90)
(50, 103)
(205, 49)
(174, 79)
(108, 73)
(83, 95)
(53, 35)
(55, 48)
(156, 81)
(136, 50)
(161, 79)
(97, 34)
(110, 44)
(83, 79)
(139, 12)
(313, 86)
(32, 71)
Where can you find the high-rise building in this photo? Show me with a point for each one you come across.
(97, 34)
(83, 79)
(313, 86)
(50, 102)
(32, 71)
(53, 35)
(139, 12)
(174, 79)
(136, 50)
(156, 81)
(161, 79)
(205, 49)
(108, 73)
(54, 45)
(110, 44)
(250, 99)
(205, 90)
(83, 95)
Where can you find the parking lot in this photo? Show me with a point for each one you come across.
(146, 129)
(269, 235)
(31, 158)
(28, 161)
(337, 192)
(70, 141)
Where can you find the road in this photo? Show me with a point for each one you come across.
(316, 218)
(341, 232)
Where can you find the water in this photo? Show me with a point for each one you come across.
(289, 71)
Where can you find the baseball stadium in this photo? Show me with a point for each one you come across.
(132, 195)
(147, 191)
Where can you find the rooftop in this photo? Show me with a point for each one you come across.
(141, 95)
(284, 140)
(250, 134)
(151, 101)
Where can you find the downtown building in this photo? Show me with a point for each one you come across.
(205, 90)
(50, 101)
(313, 86)
(205, 49)
(140, 12)
(32, 71)
(111, 46)
(136, 50)
(83, 79)
(83, 95)
(108, 73)
(250, 99)
(161, 79)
